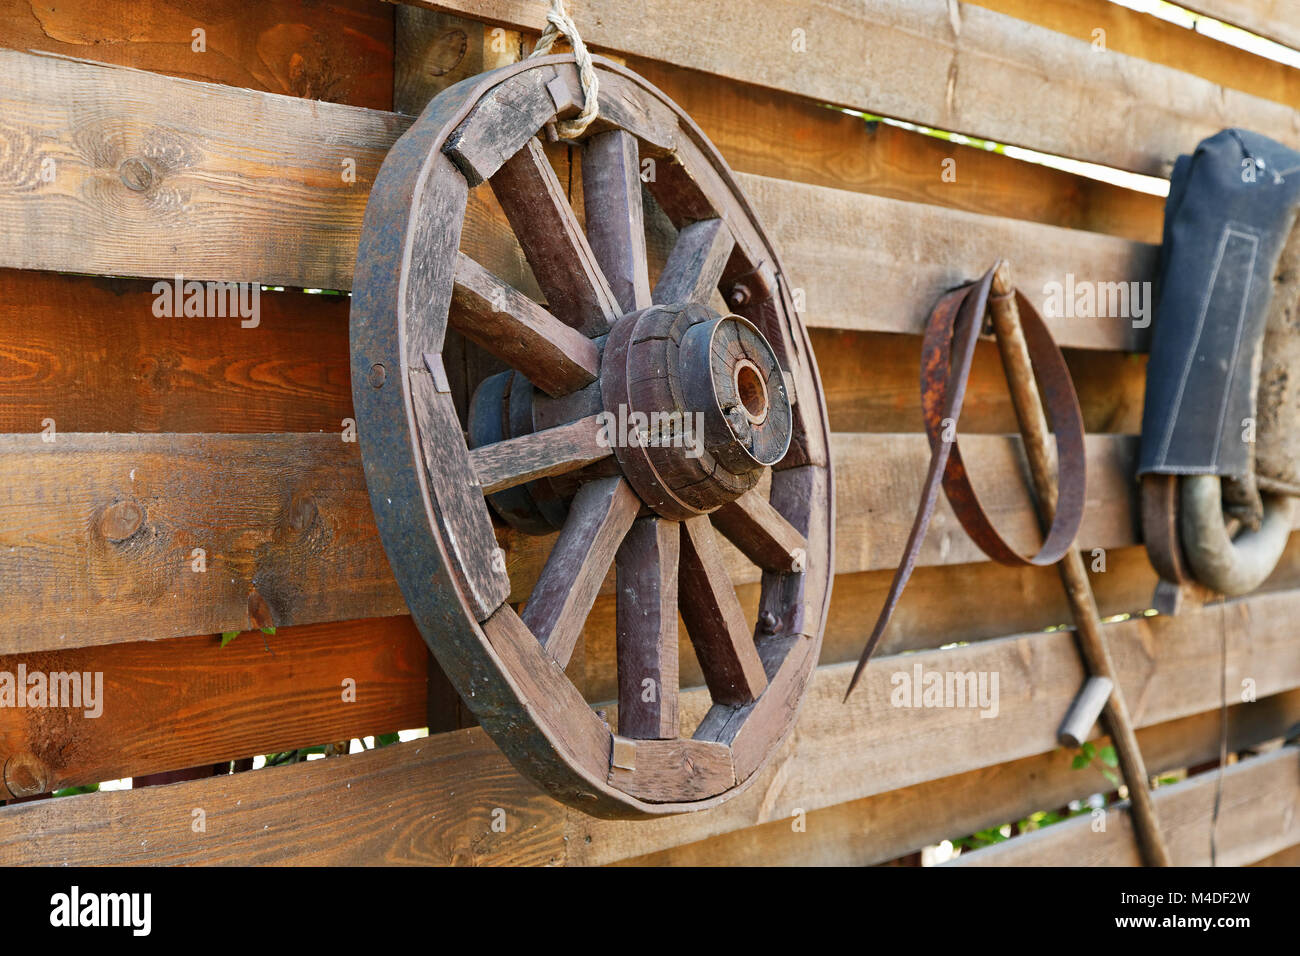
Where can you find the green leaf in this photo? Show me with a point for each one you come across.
(80, 788)
(268, 630)
(1109, 757)
(1079, 762)
(228, 636)
(1112, 777)
(386, 740)
(1088, 749)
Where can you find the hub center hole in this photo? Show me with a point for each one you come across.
(752, 391)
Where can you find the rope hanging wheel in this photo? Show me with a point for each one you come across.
(711, 349)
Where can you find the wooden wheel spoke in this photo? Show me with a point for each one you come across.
(601, 513)
(611, 193)
(761, 533)
(553, 242)
(551, 451)
(695, 265)
(505, 322)
(714, 619)
(647, 630)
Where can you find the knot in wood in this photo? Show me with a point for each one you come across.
(121, 520)
(25, 775)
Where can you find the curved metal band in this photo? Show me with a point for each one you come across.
(1062, 404)
(954, 325)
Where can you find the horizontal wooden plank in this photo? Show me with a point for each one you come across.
(839, 752)
(224, 703)
(167, 705)
(1275, 19)
(878, 483)
(1139, 34)
(341, 52)
(267, 200)
(770, 132)
(90, 354)
(95, 529)
(870, 263)
(888, 825)
(182, 535)
(1110, 385)
(145, 373)
(403, 804)
(943, 604)
(1168, 668)
(1256, 819)
(122, 172)
(949, 67)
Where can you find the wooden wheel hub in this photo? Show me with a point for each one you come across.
(698, 405)
(620, 311)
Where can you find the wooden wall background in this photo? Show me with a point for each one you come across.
(226, 165)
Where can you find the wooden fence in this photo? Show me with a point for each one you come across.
(131, 440)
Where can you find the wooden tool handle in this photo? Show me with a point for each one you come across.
(1092, 644)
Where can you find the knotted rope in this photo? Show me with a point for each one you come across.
(559, 22)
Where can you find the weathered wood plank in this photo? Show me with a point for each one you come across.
(153, 175)
(834, 757)
(366, 808)
(183, 535)
(889, 825)
(869, 381)
(753, 127)
(864, 262)
(1155, 39)
(166, 705)
(878, 482)
(91, 354)
(341, 52)
(301, 226)
(914, 60)
(756, 129)
(1275, 19)
(289, 517)
(1168, 668)
(290, 372)
(1256, 819)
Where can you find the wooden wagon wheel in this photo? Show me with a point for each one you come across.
(534, 449)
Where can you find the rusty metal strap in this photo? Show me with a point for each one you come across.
(946, 354)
